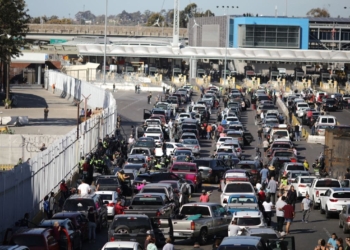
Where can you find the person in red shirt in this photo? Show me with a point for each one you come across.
(118, 208)
(64, 189)
(204, 197)
(261, 198)
(288, 215)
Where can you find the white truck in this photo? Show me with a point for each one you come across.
(320, 186)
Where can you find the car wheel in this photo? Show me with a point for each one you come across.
(339, 224)
(122, 230)
(345, 230)
(327, 213)
(203, 236)
(321, 210)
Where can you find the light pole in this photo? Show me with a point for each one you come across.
(227, 36)
(105, 49)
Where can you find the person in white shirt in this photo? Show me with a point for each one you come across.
(265, 146)
(170, 128)
(82, 112)
(233, 229)
(84, 188)
(262, 115)
(131, 140)
(280, 213)
(267, 204)
(258, 186)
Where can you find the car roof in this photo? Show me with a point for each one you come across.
(247, 162)
(265, 230)
(236, 171)
(37, 230)
(129, 170)
(249, 213)
(105, 192)
(184, 163)
(340, 189)
(240, 240)
(150, 194)
(150, 185)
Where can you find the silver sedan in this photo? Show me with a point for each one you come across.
(193, 144)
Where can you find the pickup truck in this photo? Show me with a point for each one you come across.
(108, 183)
(136, 227)
(152, 205)
(200, 221)
(320, 186)
(237, 203)
(189, 171)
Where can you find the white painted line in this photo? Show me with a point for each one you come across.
(131, 104)
(328, 234)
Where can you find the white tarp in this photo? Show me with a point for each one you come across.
(31, 58)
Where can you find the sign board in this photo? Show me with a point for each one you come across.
(275, 73)
(129, 69)
(57, 41)
(250, 73)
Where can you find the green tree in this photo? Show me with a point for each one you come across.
(318, 12)
(208, 13)
(152, 20)
(13, 29)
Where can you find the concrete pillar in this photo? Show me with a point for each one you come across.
(39, 70)
(193, 70)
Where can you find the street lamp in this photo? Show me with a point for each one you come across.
(105, 49)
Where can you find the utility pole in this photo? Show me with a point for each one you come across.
(176, 24)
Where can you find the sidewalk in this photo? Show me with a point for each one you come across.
(32, 101)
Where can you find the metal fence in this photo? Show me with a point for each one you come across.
(23, 188)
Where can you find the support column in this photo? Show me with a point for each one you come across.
(176, 24)
(39, 73)
(193, 70)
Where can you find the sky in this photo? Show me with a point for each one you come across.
(68, 8)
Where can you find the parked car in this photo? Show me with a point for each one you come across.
(333, 200)
(35, 239)
(188, 171)
(251, 219)
(111, 197)
(211, 169)
(78, 219)
(302, 184)
(253, 167)
(242, 188)
(125, 245)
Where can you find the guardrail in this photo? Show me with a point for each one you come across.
(23, 188)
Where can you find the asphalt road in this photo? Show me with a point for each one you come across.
(130, 107)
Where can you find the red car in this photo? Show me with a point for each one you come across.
(35, 239)
(79, 220)
(189, 171)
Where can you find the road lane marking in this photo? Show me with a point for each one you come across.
(328, 234)
(131, 104)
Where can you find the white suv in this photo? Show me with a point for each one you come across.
(251, 219)
(333, 200)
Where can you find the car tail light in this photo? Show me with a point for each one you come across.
(195, 179)
(193, 225)
(254, 171)
(333, 200)
(196, 147)
(144, 165)
(268, 137)
(111, 239)
(210, 171)
(317, 193)
(158, 214)
(302, 186)
(238, 150)
(348, 219)
(110, 205)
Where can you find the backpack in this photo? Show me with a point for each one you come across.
(185, 189)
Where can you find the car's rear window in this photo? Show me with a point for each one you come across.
(248, 221)
(29, 241)
(295, 175)
(75, 205)
(306, 180)
(327, 183)
(281, 133)
(188, 126)
(225, 150)
(284, 154)
(107, 181)
(153, 190)
(342, 195)
(136, 160)
(106, 197)
(201, 163)
(137, 151)
(147, 144)
(135, 224)
(192, 210)
(243, 199)
(295, 167)
(281, 145)
(182, 152)
(147, 201)
(178, 167)
(239, 188)
(245, 166)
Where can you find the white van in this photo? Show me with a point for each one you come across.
(326, 120)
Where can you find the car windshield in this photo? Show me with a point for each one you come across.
(153, 190)
(295, 175)
(239, 188)
(147, 201)
(153, 130)
(284, 154)
(130, 166)
(75, 205)
(245, 166)
(192, 210)
(180, 167)
(225, 150)
(134, 224)
(188, 137)
(155, 137)
(281, 133)
(327, 183)
(180, 158)
(188, 126)
(248, 221)
(190, 142)
(182, 152)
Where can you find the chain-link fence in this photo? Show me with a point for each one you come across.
(23, 188)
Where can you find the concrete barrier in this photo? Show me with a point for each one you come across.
(10, 120)
(316, 139)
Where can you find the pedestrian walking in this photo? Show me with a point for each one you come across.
(297, 132)
(272, 187)
(321, 245)
(135, 88)
(209, 130)
(265, 146)
(46, 206)
(46, 113)
(332, 242)
(267, 204)
(52, 204)
(290, 115)
(340, 244)
(264, 173)
(185, 191)
(149, 98)
(292, 196)
(163, 93)
(92, 224)
(168, 244)
(53, 88)
(280, 213)
(204, 197)
(306, 208)
(289, 215)
(260, 132)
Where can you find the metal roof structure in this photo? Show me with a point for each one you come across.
(329, 19)
(285, 55)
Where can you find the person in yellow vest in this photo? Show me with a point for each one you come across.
(306, 165)
(284, 182)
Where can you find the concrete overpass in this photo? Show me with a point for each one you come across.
(62, 31)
